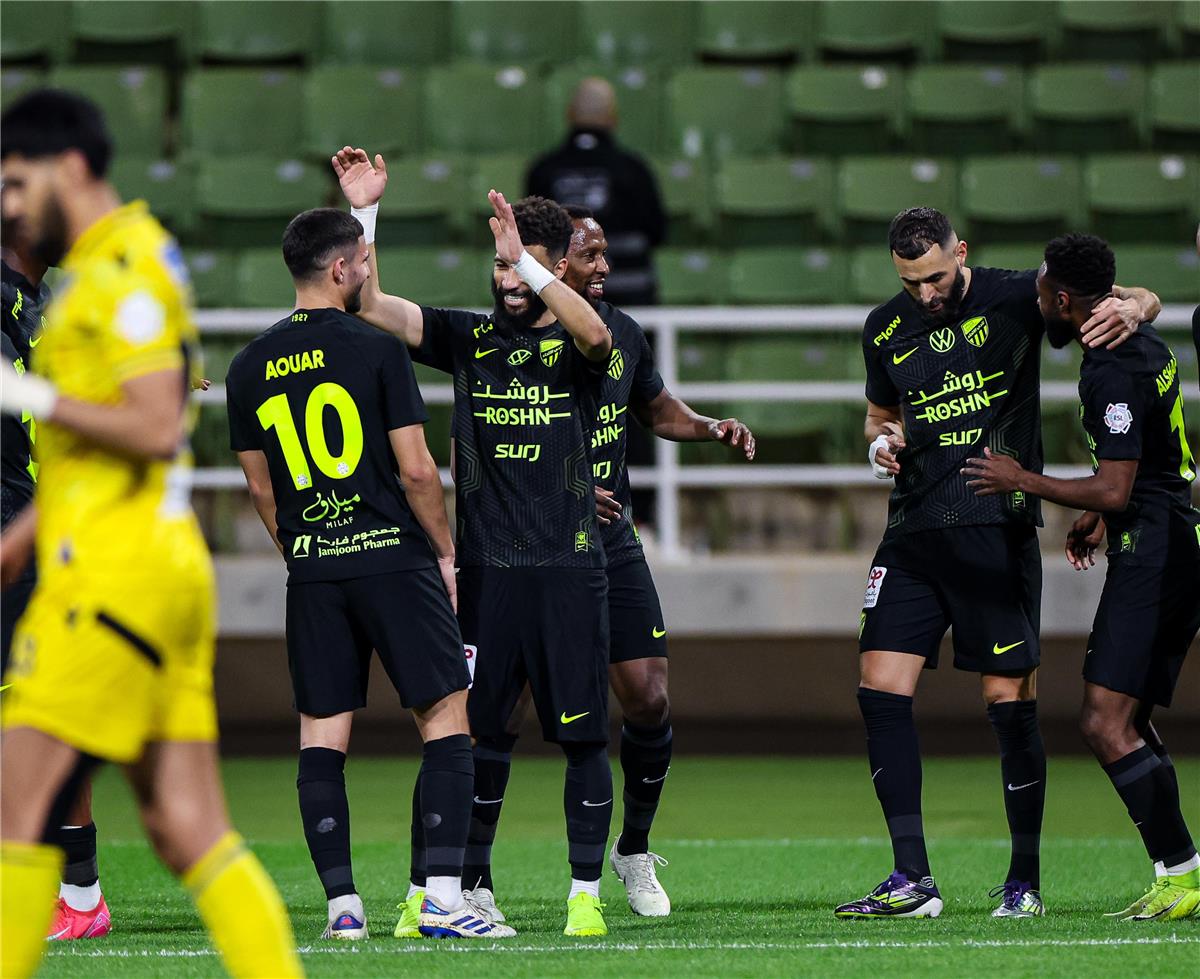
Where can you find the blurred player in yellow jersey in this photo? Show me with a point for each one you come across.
(113, 659)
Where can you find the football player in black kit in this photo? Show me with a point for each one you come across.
(532, 589)
(953, 367)
(1149, 611)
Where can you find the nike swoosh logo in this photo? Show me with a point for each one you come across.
(5, 687)
(901, 358)
(488, 802)
(658, 633)
(483, 353)
(1017, 788)
(998, 649)
(596, 805)
(574, 717)
(59, 934)
(34, 341)
(876, 772)
(651, 781)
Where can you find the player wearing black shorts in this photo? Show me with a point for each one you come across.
(952, 366)
(1149, 611)
(532, 590)
(328, 425)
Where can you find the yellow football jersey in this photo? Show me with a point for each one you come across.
(122, 310)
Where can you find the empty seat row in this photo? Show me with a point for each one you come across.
(427, 33)
(697, 112)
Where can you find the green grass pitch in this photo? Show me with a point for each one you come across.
(760, 850)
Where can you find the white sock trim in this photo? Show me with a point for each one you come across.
(414, 889)
(584, 887)
(1184, 868)
(346, 904)
(80, 898)
(446, 892)
(1160, 869)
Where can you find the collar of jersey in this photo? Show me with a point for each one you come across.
(100, 230)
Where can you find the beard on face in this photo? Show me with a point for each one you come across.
(507, 323)
(1059, 332)
(354, 302)
(51, 245)
(950, 305)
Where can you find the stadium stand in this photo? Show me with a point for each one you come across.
(389, 35)
(649, 32)
(240, 110)
(723, 112)
(133, 31)
(386, 113)
(483, 108)
(134, 100)
(960, 109)
(994, 32)
(873, 189)
(768, 31)
(845, 108)
(241, 32)
(774, 201)
(1099, 106)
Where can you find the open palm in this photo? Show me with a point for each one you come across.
(362, 183)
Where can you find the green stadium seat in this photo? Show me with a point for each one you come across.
(1020, 198)
(689, 276)
(873, 190)
(873, 276)
(472, 108)
(1175, 106)
(786, 276)
(1189, 28)
(1113, 29)
(1173, 272)
(842, 109)
(262, 281)
(437, 276)
(894, 30)
(366, 32)
(15, 82)
(686, 188)
(168, 186)
(639, 102)
(376, 108)
(428, 210)
(134, 102)
(512, 33)
(34, 31)
(722, 112)
(1099, 106)
(703, 356)
(286, 30)
(647, 32)
(753, 30)
(212, 272)
(133, 31)
(997, 31)
(1019, 256)
(248, 200)
(243, 110)
(503, 171)
(774, 201)
(1142, 197)
(965, 109)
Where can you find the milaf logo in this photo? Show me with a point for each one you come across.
(975, 330)
(550, 350)
(942, 340)
(616, 364)
(518, 357)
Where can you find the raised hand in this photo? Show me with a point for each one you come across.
(362, 183)
(504, 228)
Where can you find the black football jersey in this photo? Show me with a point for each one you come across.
(1131, 405)
(318, 393)
(22, 309)
(524, 402)
(963, 386)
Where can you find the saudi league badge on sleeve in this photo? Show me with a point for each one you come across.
(1118, 418)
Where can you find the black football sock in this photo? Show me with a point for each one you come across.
(588, 804)
(1023, 772)
(447, 779)
(493, 763)
(1152, 800)
(895, 757)
(645, 761)
(416, 832)
(325, 812)
(79, 843)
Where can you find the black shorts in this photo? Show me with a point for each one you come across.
(1147, 618)
(405, 616)
(635, 620)
(544, 626)
(985, 582)
(13, 601)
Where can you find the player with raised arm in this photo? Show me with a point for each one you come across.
(123, 612)
(1149, 611)
(953, 365)
(328, 424)
(532, 589)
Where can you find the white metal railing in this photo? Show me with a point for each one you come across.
(667, 476)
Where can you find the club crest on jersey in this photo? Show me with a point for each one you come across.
(616, 364)
(942, 340)
(975, 330)
(518, 357)
(550, 350)
(1118, 418)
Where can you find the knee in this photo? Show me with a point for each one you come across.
(180, 833)
(648, 708)
(1100, 732)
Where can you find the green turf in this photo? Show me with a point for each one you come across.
(760, 850)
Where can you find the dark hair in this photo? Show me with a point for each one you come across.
(1082, 264)
(577, 212)
(541, 221)
(311, 237)
(917, 229)
(49, 121)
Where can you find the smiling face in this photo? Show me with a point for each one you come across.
(935, 281)
(516, 304)
(587, 260)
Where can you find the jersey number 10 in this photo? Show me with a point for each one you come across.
(276, 413)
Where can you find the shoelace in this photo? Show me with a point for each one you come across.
(643, 873)
(895, 882)
(1012, 891)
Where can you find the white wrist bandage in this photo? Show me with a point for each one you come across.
(881, 442)
(533, 272)
(366, 217)
(22, 393)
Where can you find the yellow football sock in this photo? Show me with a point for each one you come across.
(29, 876)
(243, 911)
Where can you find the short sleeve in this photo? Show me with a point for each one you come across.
(1114, 406)
(245, 434)
(402, 402)
(879, 389)
(439, 338)
(647, 382)
(143, 332)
